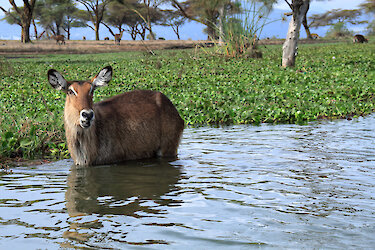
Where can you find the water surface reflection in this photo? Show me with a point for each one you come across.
(284, 186)
(121, 189)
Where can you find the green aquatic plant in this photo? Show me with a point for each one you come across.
(329, 81)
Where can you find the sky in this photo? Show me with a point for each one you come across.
(193, 30)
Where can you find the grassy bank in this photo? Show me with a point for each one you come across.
(329, 81)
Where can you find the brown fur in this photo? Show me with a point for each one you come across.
(133, 125)
(314, 36)
(359, 39)
(59, 38)
(118, 38)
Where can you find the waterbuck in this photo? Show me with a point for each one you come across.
(59, 38)
(359, 39)
(133, 125)
(118, 37)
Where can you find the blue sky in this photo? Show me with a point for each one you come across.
(194, 31)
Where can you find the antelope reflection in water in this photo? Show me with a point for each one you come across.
(121, 189)
(133, 190)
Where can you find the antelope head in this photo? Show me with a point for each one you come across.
(79, 99)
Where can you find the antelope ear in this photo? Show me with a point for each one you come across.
(56, 80)
(103, 77)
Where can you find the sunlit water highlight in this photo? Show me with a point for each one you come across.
(237, 187)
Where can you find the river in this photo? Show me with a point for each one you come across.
(236, 187)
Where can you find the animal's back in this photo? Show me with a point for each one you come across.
(359, 39)
(137, 124)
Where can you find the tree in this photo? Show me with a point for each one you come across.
(304, 21)
(133, 15)
(207, 12)
(22, 16)
(174, 19)
(55, 16)
(369, 7)
(116, 16)
(299, 9)
(241, 31)
(151, 14)
(371, 28)
(337, 19)
(73, 19)
(11, 17)
(95, 13)
(305, 25)
(136, 26)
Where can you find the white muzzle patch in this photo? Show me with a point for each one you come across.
(86, 118)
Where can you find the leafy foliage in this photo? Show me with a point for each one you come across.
(369, 7)
(57, 16)
(206, 12)
(338, 30)
(241, 30)
(21, 16)
(337, 19)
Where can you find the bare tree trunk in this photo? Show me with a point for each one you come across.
(152, 35)
(109, 29)
(68, 32)
(58, 29)
(211, 34)
(305, 25)
(25, 14)
(25, 32)
(211, 28)
(97, 23)
(221, 24)
(299, 8)
(178, 33)
(176, 30)
(133, 34)
(307, 28)
(96, 10)
(35, 30)
(142, 32)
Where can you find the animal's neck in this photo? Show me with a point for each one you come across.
(82, 143)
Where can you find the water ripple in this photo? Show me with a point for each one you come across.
(283, 186)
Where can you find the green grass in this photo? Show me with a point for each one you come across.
(329, 81)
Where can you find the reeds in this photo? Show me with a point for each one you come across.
(241, 30)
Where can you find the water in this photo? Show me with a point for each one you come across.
(238, 187)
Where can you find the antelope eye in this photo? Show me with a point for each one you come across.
(70, 92)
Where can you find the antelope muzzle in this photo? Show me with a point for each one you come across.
(86, 118)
